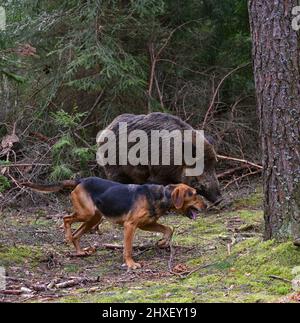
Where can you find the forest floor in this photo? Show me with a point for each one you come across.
(220, 257)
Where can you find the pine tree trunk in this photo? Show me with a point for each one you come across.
(276, 59)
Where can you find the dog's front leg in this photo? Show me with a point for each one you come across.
(129, 231)
(157, 227)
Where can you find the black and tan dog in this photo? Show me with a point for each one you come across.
(133, 206)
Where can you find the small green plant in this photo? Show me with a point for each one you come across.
(4, 183)
(66, 153)
(62, 145)
(61, 172)
(83, 154)
(66, 120)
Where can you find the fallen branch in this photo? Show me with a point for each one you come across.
(115, 246)
(244, 161)
(280, 278)
(241, 177)
(16, 279)
(66, 284)
(38, 287)
(11, 292)
(71, 283)
(200, 267)
(232, 170)
(112, 246)
(23, 165)
(188, 273)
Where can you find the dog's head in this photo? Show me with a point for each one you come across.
(185, 199)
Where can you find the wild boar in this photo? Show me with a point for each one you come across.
(206, 184)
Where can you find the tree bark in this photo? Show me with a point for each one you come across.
(277, 79)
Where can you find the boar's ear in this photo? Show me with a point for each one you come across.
(178, 197)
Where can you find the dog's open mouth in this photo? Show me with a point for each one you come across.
(192, 213)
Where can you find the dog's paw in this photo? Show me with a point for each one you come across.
(163, 243)
(131, 265)
(90, 250)
(80, 253)
(84, 252)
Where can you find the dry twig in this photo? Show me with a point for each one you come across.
(244, 161)
(241, 177)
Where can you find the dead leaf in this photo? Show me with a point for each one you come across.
(180, 268)
(9, 140)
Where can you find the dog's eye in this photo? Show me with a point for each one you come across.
(190, 193)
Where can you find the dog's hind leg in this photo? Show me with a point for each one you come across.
(68, 220)
(84, 211)
(85, 227)
(166, 231)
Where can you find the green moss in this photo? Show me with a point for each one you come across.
(19, 255)
(254, 200)
(40, 222)
(250, 216)
(71, 268)
(253, 261)
(199, 231)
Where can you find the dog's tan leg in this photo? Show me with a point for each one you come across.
(96, 217)
(85, 227)
(157, 227)
(68, 220)
(96, 227)
(75, 240)
(129, 231)
(84, 211)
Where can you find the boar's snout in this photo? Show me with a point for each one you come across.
(214, 196)
(208, 187)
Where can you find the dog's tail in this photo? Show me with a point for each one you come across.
(48, 188)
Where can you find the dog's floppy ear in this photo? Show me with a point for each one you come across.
(178, 197)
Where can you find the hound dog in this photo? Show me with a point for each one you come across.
(130, 205)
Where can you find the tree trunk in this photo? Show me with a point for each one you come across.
(277, 80)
